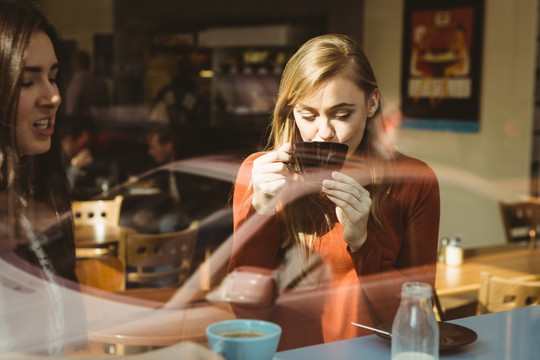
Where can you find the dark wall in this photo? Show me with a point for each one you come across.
(343, 16)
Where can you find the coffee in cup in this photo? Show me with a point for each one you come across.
(244, 339)
(242, 333)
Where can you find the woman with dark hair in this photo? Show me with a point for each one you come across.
(36, 228)
(371, 226)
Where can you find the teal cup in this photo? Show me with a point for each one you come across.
(244, 339)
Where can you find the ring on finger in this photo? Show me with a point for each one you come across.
(358, 196)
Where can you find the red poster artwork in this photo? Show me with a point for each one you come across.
(441, 62)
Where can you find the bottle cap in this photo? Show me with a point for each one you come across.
(416, 289)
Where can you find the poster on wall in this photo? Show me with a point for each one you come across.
(442, 51)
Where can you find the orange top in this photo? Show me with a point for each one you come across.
(362, 286)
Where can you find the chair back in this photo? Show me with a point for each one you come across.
(92, 216)
(500, 294)
(154, 260)
(521, 220)
(105, 273)
(90, 212)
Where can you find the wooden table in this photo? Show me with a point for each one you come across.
(158, 322)
(138, 320)
(509, 261)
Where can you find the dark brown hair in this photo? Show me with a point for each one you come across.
(27, 180)
(19, 21)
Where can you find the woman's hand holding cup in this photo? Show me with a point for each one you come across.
(353, 204)
(269, 175)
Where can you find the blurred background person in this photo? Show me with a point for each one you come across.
(163, 145)
(168, 210)
(183, 103)
(85, 90)
(78, 155)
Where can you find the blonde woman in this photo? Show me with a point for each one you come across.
(372, 225)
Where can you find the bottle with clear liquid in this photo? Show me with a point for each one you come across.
(415, 331)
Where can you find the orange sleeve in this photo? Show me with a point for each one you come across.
(256, 240)
(408, 252)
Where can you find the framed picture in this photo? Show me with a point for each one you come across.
(442, 53)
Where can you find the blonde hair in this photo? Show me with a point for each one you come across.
(317, 61)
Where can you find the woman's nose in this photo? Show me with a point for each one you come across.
(326, 130)
(50, 96)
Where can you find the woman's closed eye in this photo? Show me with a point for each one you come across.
(34, 75)
(30, 80)
(30, 83)
(307, 116)
(342, 115)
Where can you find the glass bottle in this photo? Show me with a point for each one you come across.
(415, 331)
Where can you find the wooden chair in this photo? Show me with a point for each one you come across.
(90, 212)
(93, 214)
(154, 260)
(500, 294)
(105, 273)
(521, 221)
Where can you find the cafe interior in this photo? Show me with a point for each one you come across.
(210, 71)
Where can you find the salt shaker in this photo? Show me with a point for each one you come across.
(415, 331)
(454, 252)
